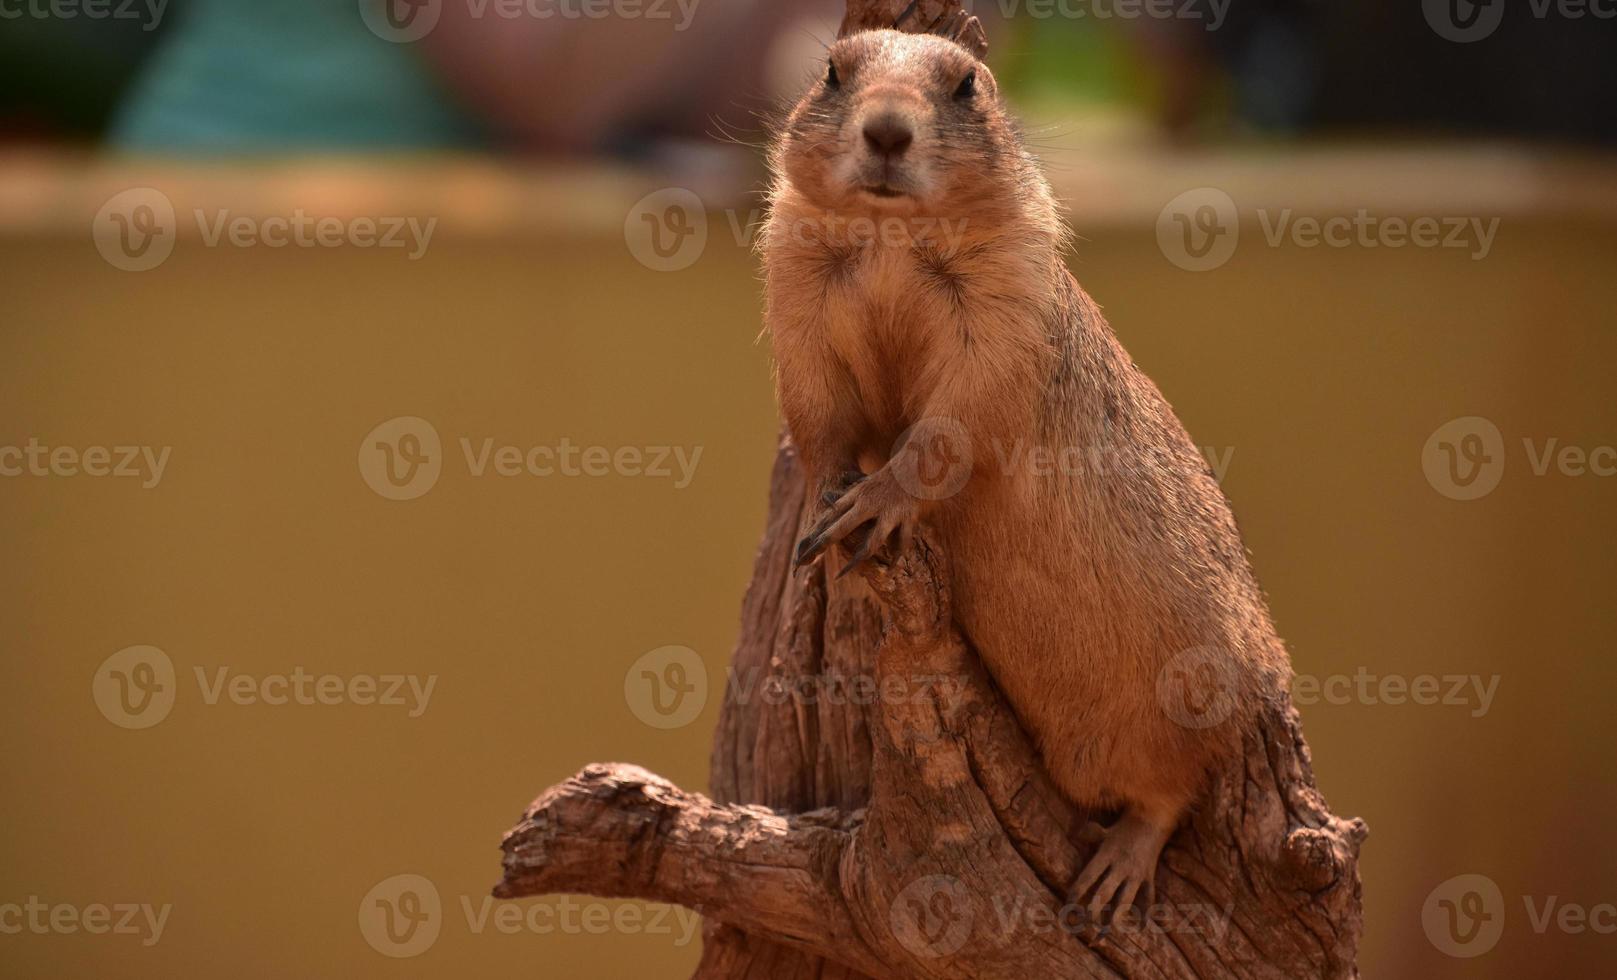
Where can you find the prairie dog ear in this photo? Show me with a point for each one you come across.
(967, 31)
(945, 18)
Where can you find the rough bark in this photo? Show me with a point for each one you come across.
(877, 811)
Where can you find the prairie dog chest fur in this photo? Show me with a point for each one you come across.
(896, 306)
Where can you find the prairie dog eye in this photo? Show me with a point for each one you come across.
(831, 79)
(968, 86)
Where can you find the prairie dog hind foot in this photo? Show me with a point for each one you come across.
(1124, 867)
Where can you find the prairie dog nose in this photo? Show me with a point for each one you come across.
(888, 134)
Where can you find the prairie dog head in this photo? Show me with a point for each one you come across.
(899, 124)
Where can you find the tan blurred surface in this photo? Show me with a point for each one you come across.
(1324, 371)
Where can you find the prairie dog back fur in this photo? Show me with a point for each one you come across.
(922, 318)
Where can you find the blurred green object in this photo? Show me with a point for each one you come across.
(1069, 60)
(277, 76)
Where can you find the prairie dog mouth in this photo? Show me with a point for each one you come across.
(883, 191)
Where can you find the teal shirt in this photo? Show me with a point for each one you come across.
(267, 76)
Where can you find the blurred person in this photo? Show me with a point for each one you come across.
(656, 69)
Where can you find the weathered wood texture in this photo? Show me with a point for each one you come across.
(877, 811)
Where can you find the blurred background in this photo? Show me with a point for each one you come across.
(302, 297)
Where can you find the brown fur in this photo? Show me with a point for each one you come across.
(1078, 588)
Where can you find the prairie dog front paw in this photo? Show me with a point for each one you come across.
(879, 500)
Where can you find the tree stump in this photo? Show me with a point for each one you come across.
(877, 811)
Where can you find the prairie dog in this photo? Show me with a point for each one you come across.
(919, 309)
